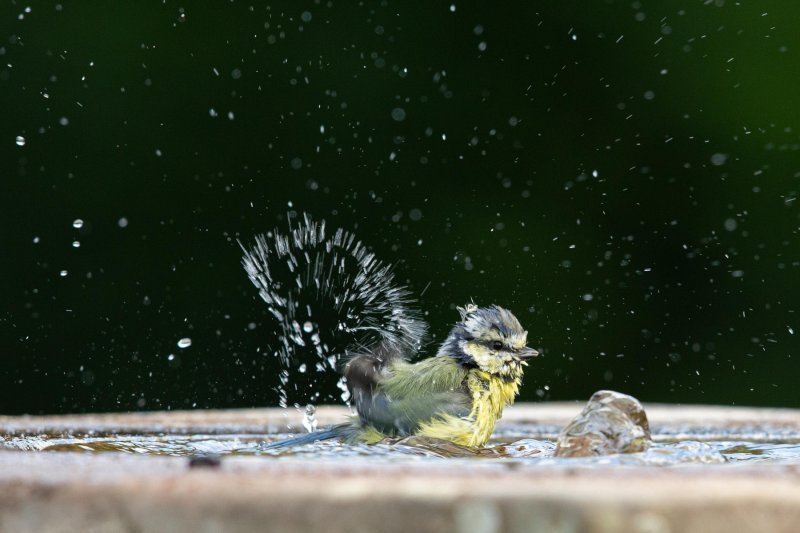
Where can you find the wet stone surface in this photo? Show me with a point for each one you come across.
(610, 423)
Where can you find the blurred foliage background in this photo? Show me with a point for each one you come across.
(623, 175)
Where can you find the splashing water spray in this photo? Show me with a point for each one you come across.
(331, 297)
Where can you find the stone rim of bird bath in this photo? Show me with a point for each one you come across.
(122, 492)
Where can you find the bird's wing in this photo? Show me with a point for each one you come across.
(397, 398)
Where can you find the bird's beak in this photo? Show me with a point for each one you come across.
(527, 353)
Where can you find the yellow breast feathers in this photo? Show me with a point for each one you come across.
(490, 394)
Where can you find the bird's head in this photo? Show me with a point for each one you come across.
(491, 339)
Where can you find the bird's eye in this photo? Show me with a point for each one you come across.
(497, 345)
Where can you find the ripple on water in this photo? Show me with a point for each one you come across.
(520, 450)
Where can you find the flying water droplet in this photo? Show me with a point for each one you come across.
(309, 418)
(719, 159)
(184, 342)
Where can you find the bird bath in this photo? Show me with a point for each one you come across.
(710, 469)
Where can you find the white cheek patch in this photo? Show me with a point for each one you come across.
(480, 354)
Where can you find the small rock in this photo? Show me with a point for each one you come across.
(610, 423)
(205, 461)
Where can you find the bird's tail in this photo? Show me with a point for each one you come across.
(340, 431)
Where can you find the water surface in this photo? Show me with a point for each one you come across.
(522, 444)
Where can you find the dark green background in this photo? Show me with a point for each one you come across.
(644, 153)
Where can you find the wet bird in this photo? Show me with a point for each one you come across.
(457, 395)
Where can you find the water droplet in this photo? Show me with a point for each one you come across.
(63, 273)
(399, 114)
(296, 163)
(308, 327)
(415, 215)
(76, 244)
(77, 223)
(64, 121)
(184, 342)
(731, 224)
(36, 240)
(171, 357)
(20, 140)
(719, 159)
(309, 420)
(122, 222)
(305, 16)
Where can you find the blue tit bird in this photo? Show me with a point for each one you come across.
(457, 395)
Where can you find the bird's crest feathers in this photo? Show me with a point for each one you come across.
(467, 310)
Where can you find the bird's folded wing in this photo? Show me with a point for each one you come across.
(400, 397)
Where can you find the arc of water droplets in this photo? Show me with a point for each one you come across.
(340, 269)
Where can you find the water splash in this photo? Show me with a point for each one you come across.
(517, 453)
(309, 418)
(331, 297)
